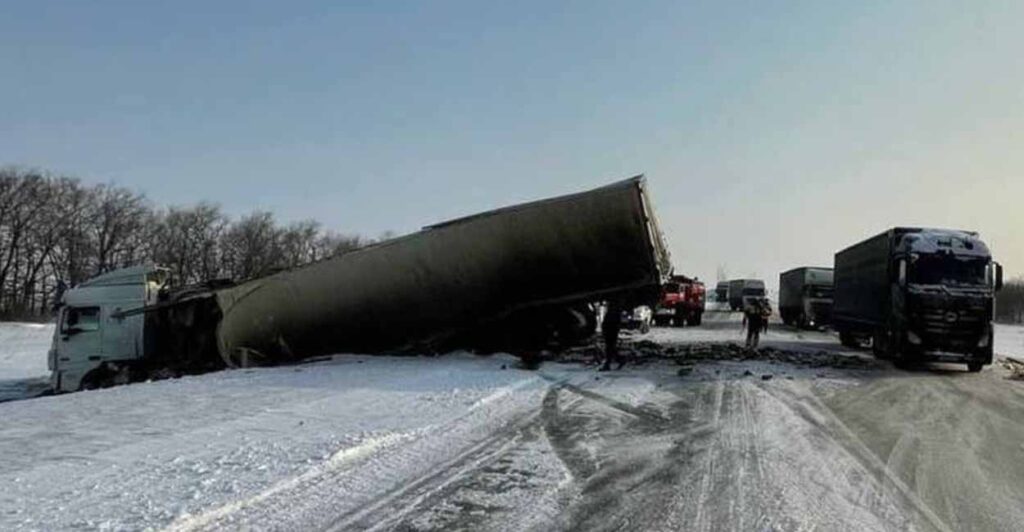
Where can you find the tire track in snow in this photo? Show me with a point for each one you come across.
(399, 503)
(339, 460)
(365, 469)
(810, 407)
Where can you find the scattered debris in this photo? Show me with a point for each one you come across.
(1015, 366)
(767, 377)
(686, 354)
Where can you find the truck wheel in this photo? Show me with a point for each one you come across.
(680, 318)
(880, 345)
(645, 327)
(974, 367)
(848, 340)
(697, 320)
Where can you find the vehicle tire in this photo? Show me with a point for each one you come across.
(661, 322)
(680, 318)
(974, 367)
(880, 345)
(698, 319)
(848, 340)
(645, 327)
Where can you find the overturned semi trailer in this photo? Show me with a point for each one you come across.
(453, 278)
(503, 279)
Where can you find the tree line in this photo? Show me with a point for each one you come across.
(56, 231)
(1010, 302)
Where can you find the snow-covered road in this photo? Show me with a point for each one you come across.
(472, 443)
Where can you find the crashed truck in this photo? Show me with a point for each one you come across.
(518, 279)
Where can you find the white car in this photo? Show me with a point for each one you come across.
(640, 319)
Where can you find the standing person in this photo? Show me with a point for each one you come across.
(610, 326)
(754, 320)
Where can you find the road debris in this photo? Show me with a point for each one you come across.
(1015, 366)
(642, 351)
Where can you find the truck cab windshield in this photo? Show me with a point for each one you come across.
(821, 292)
(948, 270)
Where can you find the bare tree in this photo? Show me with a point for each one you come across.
(298, 243)
(252, 247)
(1010, 302)
(722, 274)
(188, 241)
(56, 232)
(119, 216)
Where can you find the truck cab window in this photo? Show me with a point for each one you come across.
(81, 319)
(942, 269)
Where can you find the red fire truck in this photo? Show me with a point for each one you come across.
(682, 302)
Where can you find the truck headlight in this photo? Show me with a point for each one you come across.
(984, 341)
(913, 338)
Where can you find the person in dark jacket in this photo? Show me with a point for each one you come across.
(610, 326)
(755, 319)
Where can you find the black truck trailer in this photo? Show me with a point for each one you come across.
(918, 295)
(805, 296)
(740, 290)
(722, 292)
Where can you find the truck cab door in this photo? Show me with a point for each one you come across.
(122, 336)
(79, 345)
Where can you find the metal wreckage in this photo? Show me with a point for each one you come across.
(516, 279)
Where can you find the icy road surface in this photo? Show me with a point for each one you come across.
(470, 443)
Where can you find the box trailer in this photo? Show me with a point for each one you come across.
(918, 294)
(741, 290)
(805, 296)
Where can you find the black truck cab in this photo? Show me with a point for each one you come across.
(919, 294)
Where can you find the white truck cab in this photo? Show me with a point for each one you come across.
(92, 336)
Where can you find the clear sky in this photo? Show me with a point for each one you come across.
(772, 133)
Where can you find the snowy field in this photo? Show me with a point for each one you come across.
(473, 443)
(23, 348)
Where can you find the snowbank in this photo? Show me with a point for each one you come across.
(1010, 340)
(23, 348)
(198, 450)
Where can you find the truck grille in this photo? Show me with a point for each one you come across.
(951, 327)
(822, 311)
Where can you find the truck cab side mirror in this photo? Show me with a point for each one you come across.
(999, 276)
(903, 272)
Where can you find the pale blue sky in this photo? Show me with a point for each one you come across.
(772, 133)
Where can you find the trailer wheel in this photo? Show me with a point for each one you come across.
(974, 367)
(880, 345)
(848, 340)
